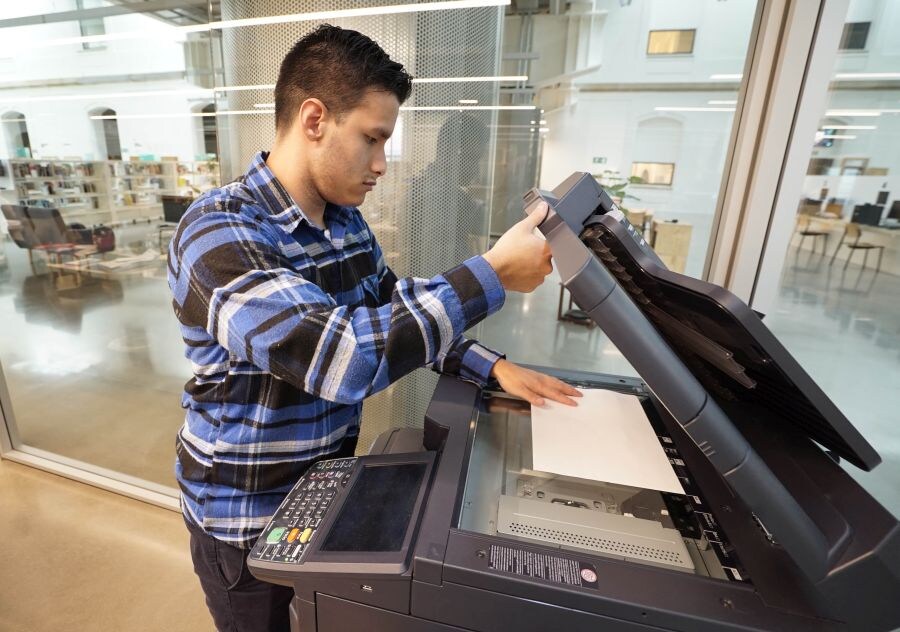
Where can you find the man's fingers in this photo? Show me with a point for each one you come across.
(536, 216)
(562, 387)
(562, 399)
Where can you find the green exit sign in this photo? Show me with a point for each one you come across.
(599, 160)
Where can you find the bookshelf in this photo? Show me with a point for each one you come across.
(110, 192)
(75, 187)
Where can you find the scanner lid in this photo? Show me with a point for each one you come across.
(724, 343)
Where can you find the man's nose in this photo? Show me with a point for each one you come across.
(379, 165)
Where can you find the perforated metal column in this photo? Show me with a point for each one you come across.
(431, 210)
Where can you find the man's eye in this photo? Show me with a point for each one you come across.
(370, 140)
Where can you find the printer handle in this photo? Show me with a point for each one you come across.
(599, 294)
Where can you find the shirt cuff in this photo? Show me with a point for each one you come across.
(477, 362)
(478, 288)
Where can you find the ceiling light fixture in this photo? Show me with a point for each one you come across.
(853, 113)
(867, 75)
(439, 108)
(692, 109)
(468, 79)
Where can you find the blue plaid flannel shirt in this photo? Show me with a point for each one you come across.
(288, 328)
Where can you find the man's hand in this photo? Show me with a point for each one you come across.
(520, 258)
(531, 385)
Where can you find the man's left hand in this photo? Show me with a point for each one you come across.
(532, 386)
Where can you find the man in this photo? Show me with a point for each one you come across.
(291, 317)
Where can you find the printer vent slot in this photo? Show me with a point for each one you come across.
(597, 544)
(610, 534)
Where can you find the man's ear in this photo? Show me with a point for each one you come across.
(311, 117)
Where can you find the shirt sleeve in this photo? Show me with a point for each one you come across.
(466, 359)
(469, 360)
(228, 275)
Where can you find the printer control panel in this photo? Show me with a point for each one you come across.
(295, 522)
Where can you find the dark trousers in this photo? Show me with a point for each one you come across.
(237, 600)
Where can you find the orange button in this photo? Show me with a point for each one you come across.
(293, 535)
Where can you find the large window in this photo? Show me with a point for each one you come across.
(838, 299)
(90, 349)
(653, 128)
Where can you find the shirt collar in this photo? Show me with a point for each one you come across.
(282, 209)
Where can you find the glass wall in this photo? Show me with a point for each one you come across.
(838, 305)
(106, 137)
(640, 94)
(95, 170)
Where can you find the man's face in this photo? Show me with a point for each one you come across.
(351, 155)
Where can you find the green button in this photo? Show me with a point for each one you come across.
(275, 535)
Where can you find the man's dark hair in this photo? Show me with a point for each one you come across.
(336, 66)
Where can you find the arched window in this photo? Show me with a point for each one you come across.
(106, 126)
(15, 129)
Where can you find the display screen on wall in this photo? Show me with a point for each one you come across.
(675, 42)
(653, 172)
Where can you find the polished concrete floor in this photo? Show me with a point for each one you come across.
(80, 559)
(94, 369)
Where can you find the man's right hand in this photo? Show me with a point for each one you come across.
(520, 258)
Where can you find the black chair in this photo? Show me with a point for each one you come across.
(174, 208)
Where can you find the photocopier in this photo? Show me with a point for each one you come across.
(449, 527)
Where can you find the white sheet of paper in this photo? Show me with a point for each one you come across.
(607, 437)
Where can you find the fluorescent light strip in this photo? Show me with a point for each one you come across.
(204, 93)
(430, 108)
(839, 136)
(190, 92)
(867, 75)
(692, 109)
(468, 79)
(853, 113)
(469, 101)
(112, 117)
(440, 108)
(736, 77)
(262, 86)
(715, 102)
(268, 106)
(178, 115)
(824, 126)
(176, 32)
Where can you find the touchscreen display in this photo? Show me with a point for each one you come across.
(377, 510)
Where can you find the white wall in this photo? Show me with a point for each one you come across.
(25, 55)
(62, 128)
